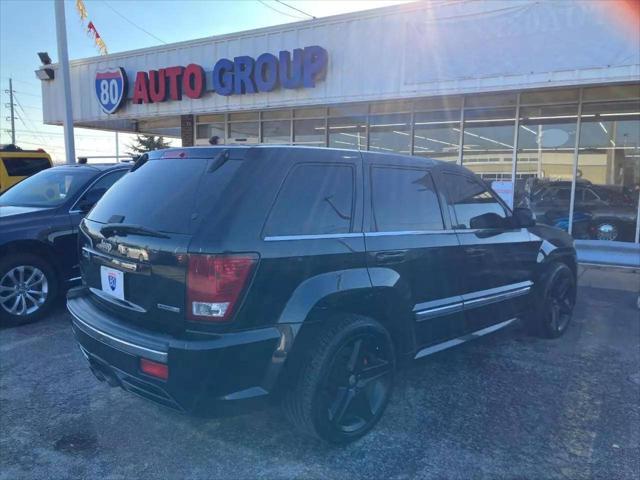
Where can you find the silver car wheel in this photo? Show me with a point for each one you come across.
(607, 231)
(23, 290)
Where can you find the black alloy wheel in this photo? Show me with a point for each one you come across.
(358, 383)
(345, 383)
(558, 302)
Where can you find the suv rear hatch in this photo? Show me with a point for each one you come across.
(134, 243)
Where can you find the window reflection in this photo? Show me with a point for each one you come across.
(205, 131)
(437, 135)
(390, 133)
(609, 171)
(309, 132)
(244, 132)
(348, 132)
(546, 141)
(276, 131)
(488, 147)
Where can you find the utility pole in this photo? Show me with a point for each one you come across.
(63, 58)
(13, 118)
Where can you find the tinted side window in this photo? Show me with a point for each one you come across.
(21, 167)
(468, 199)
(314, 200)
(590, 196)
(404, 200)
(563, 194)
(107, 180)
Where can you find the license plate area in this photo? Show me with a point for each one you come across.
(112, 282)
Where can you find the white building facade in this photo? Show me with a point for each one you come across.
(540, 98)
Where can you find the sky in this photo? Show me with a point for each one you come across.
(28, 27)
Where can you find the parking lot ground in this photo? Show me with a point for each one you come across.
(506, 406)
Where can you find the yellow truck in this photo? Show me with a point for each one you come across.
(17, 164)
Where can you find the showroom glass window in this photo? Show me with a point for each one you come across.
(608, 181)
(390, 133)
(437, 135)
(348, 127)
(488, 143)
(209, 126)
(546, 143)
(404, 199)
(243, 127)
(276, 126)
(314, 200)
(309, 127)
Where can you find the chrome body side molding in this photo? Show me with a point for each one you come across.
(284, 238)
(463, 339)
(494, 295)
(446, 306)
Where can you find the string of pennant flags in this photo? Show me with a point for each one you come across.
(92, 31)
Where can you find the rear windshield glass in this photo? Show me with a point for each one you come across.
(23, 167)
(49, 188)
(161, 195)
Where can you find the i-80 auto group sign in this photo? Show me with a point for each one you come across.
(111, 88)
(301, 68)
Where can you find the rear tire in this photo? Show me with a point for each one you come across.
(28, 287)
(345, 383)
(556, 299)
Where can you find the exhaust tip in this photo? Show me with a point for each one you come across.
(104, 375)
(97, 373)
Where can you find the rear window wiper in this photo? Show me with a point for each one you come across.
(111, 229)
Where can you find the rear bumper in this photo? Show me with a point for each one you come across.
(206, 376)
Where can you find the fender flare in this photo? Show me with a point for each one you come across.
(320, 287)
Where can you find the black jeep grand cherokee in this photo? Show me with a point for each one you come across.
(218, 276)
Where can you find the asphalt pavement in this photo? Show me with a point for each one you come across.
(505, 406)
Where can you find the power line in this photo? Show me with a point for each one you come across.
(132, 23)
(22, 81)
(36, 135)
(28, 94)
(296, 9)
(32, 107)
(56, 147)
(17, 100)
(79, 135)
(279, 11)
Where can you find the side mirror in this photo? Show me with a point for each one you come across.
(487, 220)
(90, 198)
(523, 217)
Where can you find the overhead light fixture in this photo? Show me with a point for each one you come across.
(44, 58)
(45, 73)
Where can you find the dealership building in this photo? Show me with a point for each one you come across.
(540, 98)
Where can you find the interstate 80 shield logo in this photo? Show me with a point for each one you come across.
(111, 89)
(113, 281)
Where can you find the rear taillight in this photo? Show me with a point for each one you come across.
(214, 285)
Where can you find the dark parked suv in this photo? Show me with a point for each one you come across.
(220, 276)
